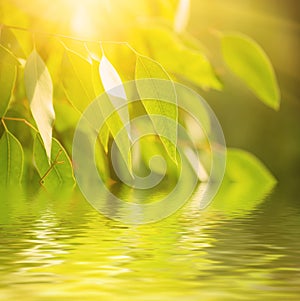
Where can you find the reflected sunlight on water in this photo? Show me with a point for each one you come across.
(73, 252)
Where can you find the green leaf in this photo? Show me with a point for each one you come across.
(97, 84)
(150, 148)
(39, 90)
(113, 86)
(18, 42)
(101, 161)
(8, 75)
(115, 98)
(147, 68)
(76, 74)
(249, 62)
(183, 62)
(116, 128)
(58, 172)
(81, 85)
(242, 166)
(66, 116)
(98, 88)
(11, 160)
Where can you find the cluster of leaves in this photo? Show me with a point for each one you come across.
(45, 87)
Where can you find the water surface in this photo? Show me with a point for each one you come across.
(60, 248)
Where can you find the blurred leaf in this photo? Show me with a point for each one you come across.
(151, 148)
(192, 42)
(182, 16)
(18, 42)
(11, 160)
(197, 131)
(66, 116)
(248, 61)
(147, 68)
(8, 75)
(165, 9)
(242, 166)
(9, 41)
(59, 171)
(183, 62)
(76, 74)
(194, 160)
(39, 90)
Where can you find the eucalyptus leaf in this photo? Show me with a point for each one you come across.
(17, 42)
(8, 75)
(81, 84)
(11, 160)
(76, 74)
(116, 120)
(111, 79)
(116, 127)
(179, 60)
(113, 86)
(101, 161)
(250, 63)
(39, 90)
(147, 68)
(56, 173)
(98, 88)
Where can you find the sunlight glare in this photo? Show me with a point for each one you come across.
(81, 22)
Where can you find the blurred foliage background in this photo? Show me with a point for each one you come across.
(272, 136)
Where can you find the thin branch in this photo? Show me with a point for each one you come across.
(21, 120)
(52, 166)
(62, 36)
(57, 35)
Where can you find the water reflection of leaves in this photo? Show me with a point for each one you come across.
(247, 182)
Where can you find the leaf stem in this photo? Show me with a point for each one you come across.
(52, 166)
(4, 125)
(21, 120)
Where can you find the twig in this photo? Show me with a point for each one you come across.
(62, 36)
(52, 166)
(5, 127)
(57, 35)
(21, 120)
